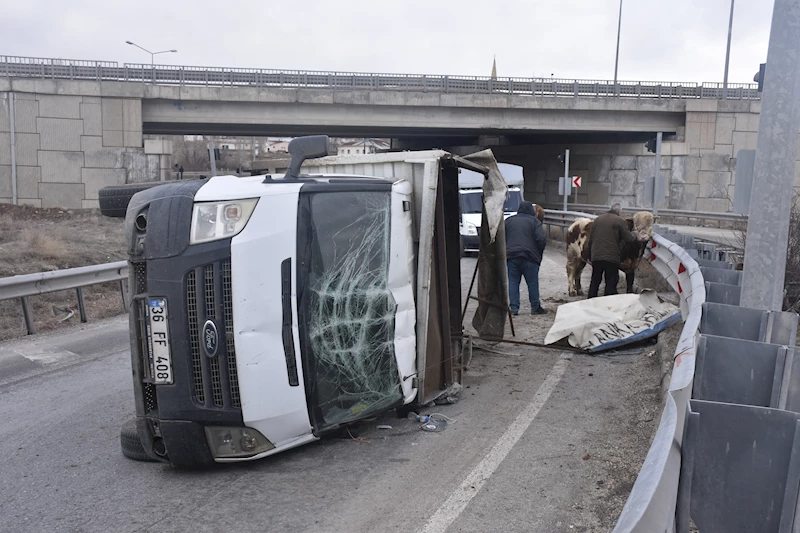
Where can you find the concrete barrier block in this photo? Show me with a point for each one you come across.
(92, 115)
(98, 156)
(90, 204)
(747, 121)
(132, 139)
(724, 130)
(60, 133)
(622, 182)
(28, 179)
(25, 112)
(113, 138)
(158, 147)
(5, 181)
(623, 162)
(131, 115)
(112, 115)
(744, 140)
(715, 161)
(65, 195)
(714, 184)
(61, 167)
(96, 178)
(27, 149)
(5, 148)
(31, 202)
(58, 106)
(645, 168)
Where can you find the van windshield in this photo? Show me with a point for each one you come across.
(472, 201)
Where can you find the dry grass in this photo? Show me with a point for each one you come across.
(647, 277)
(37, 240)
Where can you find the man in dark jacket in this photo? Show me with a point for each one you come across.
(608, 235)
(525, 242)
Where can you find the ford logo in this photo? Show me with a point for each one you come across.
(210, 338)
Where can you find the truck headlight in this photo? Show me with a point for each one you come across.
(236, 442)
(470, 229)
(212, 221)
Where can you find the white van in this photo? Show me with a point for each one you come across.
(471, 194)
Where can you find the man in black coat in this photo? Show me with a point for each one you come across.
(608, 235)
(525, 242)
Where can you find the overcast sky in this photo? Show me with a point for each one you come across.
(662, 40)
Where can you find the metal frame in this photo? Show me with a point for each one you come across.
(34, 67)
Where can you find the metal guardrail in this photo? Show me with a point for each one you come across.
(653, 500)
(33, 67)
(28, 285)
(673, 213)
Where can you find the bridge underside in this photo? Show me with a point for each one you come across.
(438, 125)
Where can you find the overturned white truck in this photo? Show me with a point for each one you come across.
(268, 310)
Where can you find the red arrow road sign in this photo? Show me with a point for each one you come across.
(576, 181)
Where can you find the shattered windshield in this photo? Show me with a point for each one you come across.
(351, 366)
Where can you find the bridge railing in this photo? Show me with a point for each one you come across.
(31, 67)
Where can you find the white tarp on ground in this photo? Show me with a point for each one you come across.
(603, 323)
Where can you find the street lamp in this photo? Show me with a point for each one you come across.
(152, 56)
(616, 60)
(727, 55)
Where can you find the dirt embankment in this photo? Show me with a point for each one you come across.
(39, 240)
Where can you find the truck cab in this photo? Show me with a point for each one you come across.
(267, 311)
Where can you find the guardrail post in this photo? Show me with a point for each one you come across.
(124, 292)
(81, 304)
(27, 313)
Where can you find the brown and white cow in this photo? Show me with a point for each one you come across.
(578, 240)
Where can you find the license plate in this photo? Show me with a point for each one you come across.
(159, 341)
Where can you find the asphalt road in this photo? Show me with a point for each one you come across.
(543, 441)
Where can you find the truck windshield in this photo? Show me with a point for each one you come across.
(471, 202)
(350, 365)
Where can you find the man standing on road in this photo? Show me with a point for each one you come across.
(525, 242)
(608, 235)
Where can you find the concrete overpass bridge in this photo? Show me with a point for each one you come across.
(79, 125)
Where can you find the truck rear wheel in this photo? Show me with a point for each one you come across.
(114, 199)
(130, 444)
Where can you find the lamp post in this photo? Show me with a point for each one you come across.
(727, 55)
(616, 60)
(152, 56)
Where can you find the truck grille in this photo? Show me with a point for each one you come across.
(215, 383)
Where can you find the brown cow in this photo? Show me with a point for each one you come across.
(578, 239)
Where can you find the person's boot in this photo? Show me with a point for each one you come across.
(539, 311)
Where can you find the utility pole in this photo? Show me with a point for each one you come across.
(727, 56)
(771, 199)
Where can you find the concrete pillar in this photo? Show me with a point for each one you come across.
(770, 205)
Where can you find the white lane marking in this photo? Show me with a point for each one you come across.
(458, 500)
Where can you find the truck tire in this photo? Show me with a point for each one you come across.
(114, 199)
(130, 444)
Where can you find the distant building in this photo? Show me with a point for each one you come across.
(273, 145)
(362, 146)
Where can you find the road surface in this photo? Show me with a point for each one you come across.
(543, 441)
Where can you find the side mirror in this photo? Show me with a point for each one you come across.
(303, 148)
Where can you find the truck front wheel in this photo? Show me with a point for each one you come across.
(131, 445)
